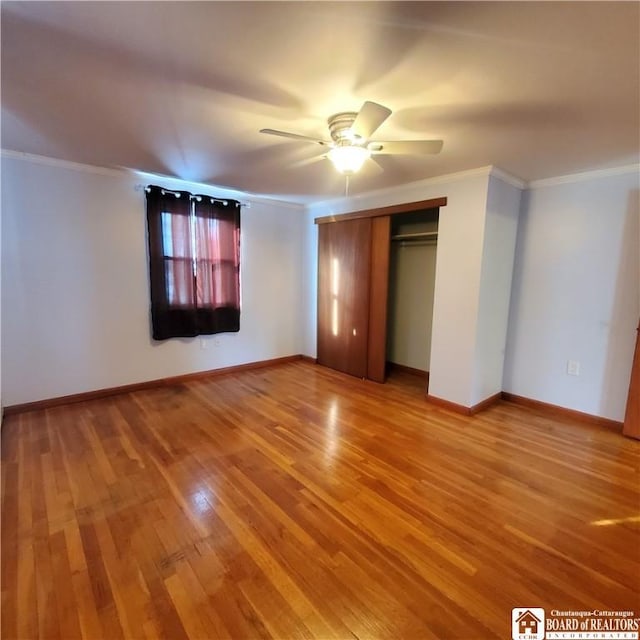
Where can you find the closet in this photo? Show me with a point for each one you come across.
(354, 253)
(412, 272)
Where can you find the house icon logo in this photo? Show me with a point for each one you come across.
(527, 623)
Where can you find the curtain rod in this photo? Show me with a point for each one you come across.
(141, 187)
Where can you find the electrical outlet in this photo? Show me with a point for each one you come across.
(573, 368)
(203, 344)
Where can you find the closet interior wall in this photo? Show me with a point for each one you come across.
(411, 289)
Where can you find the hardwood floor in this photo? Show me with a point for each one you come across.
(297, 502)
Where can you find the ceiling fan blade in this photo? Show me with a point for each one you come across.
(294, 136)
(369, 118)
(307, 161)
(372, 166)
(407, 147)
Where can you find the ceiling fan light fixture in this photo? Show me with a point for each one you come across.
(348, 159)
(351, 144)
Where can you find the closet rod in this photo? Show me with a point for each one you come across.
(415, 236)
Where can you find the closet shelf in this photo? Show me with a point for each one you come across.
(423, 235)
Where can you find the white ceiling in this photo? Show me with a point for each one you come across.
(538, 89)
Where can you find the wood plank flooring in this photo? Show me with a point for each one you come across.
(297, 502)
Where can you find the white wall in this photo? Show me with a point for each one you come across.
(576, 294)
(501, 226)
(457, 291)
(458, 267)
(309, 310)
(412, 278)
(75, 297)
(74, 288)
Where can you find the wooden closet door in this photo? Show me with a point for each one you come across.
(378, 298)
(344, 254)
(632, 417)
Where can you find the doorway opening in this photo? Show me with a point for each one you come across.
(412, 272)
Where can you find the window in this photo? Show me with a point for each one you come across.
(194, 263)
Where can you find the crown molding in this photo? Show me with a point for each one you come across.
(169, 182)
(509, 178)
(125, 172)
(488, 171)
(61, 164)
(584, 176)
(403, 188)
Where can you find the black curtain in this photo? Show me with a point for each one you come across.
(194, 263)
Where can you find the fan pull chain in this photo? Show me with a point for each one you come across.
(346, 186)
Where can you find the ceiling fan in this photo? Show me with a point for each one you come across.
(350, 143)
